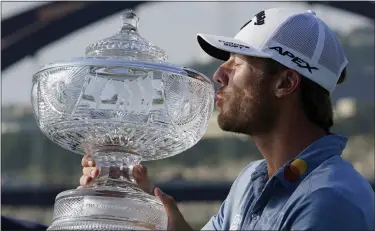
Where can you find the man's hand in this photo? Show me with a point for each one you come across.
(175, 219)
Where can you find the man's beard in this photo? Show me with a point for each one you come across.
(248, 115)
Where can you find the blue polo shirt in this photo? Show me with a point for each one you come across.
(330, 195)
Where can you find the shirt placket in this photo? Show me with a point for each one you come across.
(249, 221)
(254, 211)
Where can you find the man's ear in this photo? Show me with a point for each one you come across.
(287, 82)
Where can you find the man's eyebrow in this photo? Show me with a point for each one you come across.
(234, 55)
(239, 55)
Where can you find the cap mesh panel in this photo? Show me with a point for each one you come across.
(300, 33)
(332, 56)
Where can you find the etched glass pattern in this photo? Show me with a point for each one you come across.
(123, 104)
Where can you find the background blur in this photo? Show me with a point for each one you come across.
(30, 160)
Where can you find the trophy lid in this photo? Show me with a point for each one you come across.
(125, 54)
(127, 44)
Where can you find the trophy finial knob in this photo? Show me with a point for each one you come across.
(127, 43)
(130, 20)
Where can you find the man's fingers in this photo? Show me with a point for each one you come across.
(176, 220)
(141, 178)
(87, 162)
(85, 180)
(84, 161)
(140, 173)
(147, 186)
(90, 171)
(79, 187)
(169, 204)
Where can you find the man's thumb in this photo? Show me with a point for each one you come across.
(168, 203)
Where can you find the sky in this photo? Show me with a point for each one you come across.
(170, 25)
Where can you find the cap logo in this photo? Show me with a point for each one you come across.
(231, 44)
(260, 19)
(298, 61)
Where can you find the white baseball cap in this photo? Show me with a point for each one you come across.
(298, 40)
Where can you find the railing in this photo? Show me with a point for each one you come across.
(182, 191)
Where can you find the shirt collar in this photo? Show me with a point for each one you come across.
(312, 156)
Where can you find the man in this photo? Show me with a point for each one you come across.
(276, 82)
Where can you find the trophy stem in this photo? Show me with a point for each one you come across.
(113, 202)
(115, 166)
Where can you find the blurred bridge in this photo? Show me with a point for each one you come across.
(24, 34)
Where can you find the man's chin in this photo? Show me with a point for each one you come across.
(225, 123)
(226, 127)
(229, 124)
(221, 122)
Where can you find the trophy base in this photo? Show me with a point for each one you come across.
(108, 208)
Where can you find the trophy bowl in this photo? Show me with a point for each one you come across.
(123, 103)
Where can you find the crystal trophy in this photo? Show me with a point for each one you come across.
(123, 103)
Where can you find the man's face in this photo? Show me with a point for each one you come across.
(246, 98)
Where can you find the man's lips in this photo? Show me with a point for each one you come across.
(219, 100)
(219, 103)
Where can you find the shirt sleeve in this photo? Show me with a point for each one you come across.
(326, 209)
(216, 222)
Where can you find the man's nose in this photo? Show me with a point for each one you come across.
(221, 76)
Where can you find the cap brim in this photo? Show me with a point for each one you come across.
(221, 47)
